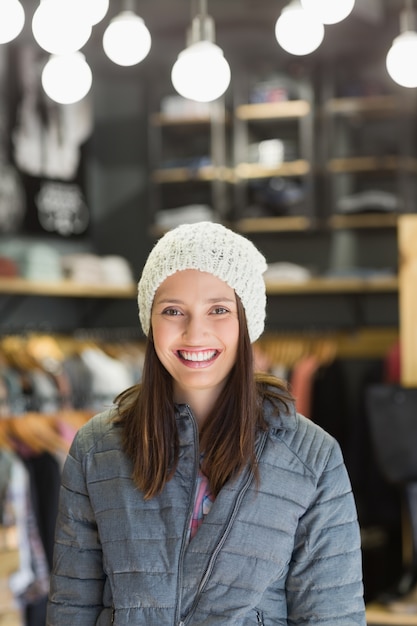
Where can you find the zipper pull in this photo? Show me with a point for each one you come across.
(259, 617)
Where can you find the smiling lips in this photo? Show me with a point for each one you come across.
(199, 358)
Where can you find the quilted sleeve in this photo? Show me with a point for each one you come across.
(324, 584)
(77, 579)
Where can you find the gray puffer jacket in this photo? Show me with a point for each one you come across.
(284, 552)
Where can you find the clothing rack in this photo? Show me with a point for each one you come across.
(287, 347)
(52, 373)
(42, 432)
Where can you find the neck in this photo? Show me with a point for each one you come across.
(200, 401)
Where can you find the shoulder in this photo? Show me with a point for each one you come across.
(99, 433)
(308, 442)
(96, 454)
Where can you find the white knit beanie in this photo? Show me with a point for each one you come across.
(213, 248)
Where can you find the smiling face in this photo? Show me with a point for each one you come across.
(195, 331)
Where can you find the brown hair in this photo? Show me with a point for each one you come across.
(147, 415)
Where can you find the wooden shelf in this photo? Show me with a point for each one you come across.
(300, 223)
(291, 168)
(372, 164)
(65, 289)
(379, 616)
(273, 110)
(364, 220)
(186, 175)
(332, 285)
(273, 224)
(387, 104)
(162, 119)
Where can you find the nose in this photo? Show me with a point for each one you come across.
(194, 329)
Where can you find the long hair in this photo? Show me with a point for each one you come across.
(146, 413)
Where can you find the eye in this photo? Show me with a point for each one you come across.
(171, 312)
(220, 310)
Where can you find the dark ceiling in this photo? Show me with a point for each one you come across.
(246, 27)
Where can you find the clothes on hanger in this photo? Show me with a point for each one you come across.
(29, 582)
(49, 387)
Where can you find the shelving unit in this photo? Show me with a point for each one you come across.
(65, 306)
(333, 286)
(68, 289)
(272, 112)
(368, 163)
(312, 224)
(272, 224)
(289, 124)
(364, 221)
(63, 289)
(370, 144)
(188, 161)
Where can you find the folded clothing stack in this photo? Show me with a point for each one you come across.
(188, 214)
(91, 269)
(42, 262)
(36, 261)
(287, 272)
(8, 267)
(33, 261)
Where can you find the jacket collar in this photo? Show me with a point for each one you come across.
(276, 414)
(279, 417)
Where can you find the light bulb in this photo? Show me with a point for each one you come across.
(201, 72)
(126, 40)
(297, 31)
(404, 48)
(12, 19)
(96, 10)
(67, 78)
(329, 11)
(61, 26)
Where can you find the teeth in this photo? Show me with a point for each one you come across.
(198, 356)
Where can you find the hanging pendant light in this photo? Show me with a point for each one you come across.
(399, 62)
(12, 20)
(201, 71)
(67, 78)
(127, 40)
(61, 26)
(298, 31)
(329, 11)
(96, 10)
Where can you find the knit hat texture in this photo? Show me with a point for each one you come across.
(213, 248)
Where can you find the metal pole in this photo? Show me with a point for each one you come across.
(129, 5)
(408, 20)
(203, 7)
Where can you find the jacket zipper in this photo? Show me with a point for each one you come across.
(190, 512)
(226, 531)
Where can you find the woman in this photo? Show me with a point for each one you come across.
(203, 498)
